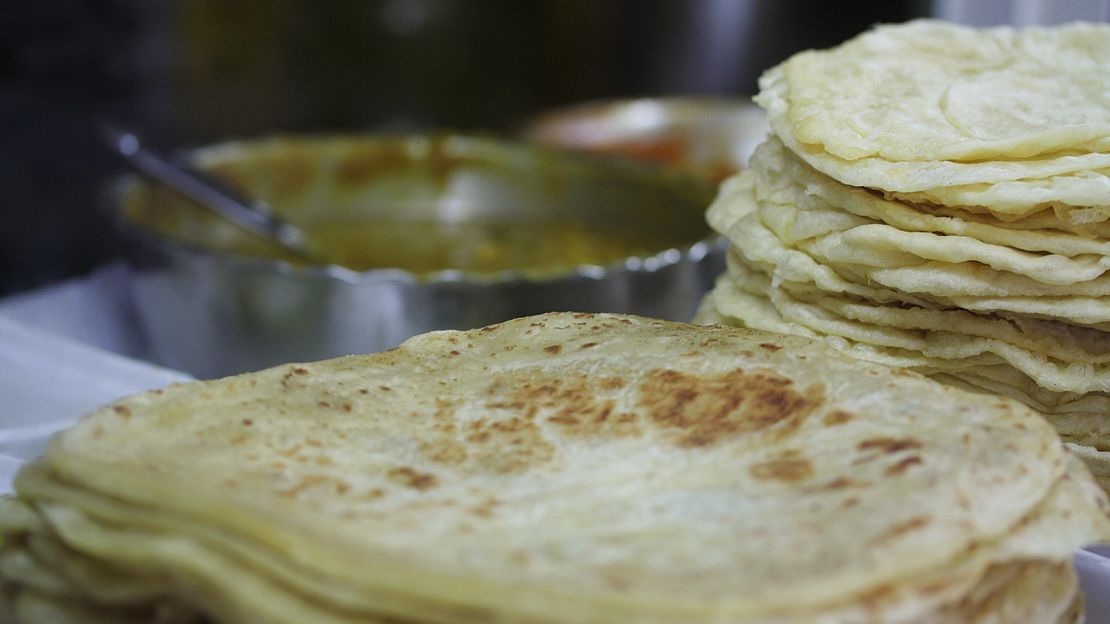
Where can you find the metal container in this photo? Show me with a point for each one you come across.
(213, 301)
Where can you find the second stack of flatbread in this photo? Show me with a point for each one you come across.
(938, 197)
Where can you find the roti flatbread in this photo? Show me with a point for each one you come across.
(566, 467)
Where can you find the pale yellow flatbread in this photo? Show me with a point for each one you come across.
(565, 468)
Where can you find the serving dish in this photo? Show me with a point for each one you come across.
(538, 229)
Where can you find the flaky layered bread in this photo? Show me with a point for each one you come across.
(936, 197)
(558, 468)
(1008, 121)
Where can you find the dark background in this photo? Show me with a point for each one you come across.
(187, 72)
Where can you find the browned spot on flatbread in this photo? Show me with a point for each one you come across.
(873, 597)
(553, 349)
(289, 380)
(901, 528)
(901, 466)
(486, 508)
(701, 410)
(444, 451)
(840, 483)
(611, 383)
(291, 451)
(314, 481)
(414, 479)
(508, 445)
(122, 410)
(784, 469)
(836, 417)
(889, 445)
(576, 405)
(769, 346)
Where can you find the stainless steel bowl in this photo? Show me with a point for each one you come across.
(213, 301)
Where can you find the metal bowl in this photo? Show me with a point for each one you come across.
(702, 135)
(214, 301)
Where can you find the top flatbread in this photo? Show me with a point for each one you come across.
(927, 91)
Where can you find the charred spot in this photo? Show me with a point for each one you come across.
(336, 485)
(411, 478)
(575, 403)
(446, 451)
(553, 349)
(839, 483)
(836, 417)
(889, 445)
(507, 446)
(455, 352)
(122, 410)
(563, 419)
(291, 451)
(582, 315)
(300, 370)
(901, 466)
(247, 422)
(902, 528)
(704, 409)
(769, 346)
(784, 469)
(873, 597)
(509, 405)
(486, 508)
(587, 345)
(612, 383)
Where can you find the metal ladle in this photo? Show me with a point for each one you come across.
(251, 215)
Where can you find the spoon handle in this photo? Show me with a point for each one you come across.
(203, 188)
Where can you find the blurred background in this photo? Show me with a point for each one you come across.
(189, 72)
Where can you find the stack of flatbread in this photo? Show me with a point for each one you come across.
(560, 468)
(938, 197)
